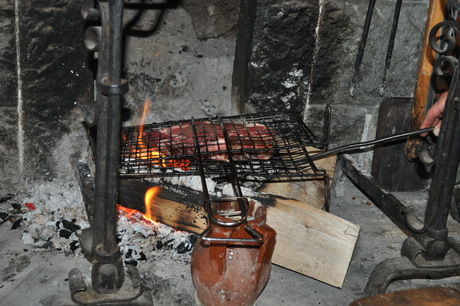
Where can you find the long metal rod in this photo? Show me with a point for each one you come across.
(391, 44)
(446, 160)
(362, 46)
(382, 198)
(358, 145)
(114, 110)
(105, 251)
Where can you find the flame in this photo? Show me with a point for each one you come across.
(149, 199)
(156, 158)
(142, 151)
(135, 215)
(144, 113)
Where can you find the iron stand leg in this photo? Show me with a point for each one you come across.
(99, 242)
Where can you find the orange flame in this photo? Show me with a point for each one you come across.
(149, 199)
(155, 157)
(142, 151)
(135, 215)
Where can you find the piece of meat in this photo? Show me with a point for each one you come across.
(252, 141)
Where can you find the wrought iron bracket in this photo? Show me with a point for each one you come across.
(99, 242)
(428, 252)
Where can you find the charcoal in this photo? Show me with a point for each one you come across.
(70, 225)
(74, 245)
(6, 197)
(142, 256)
(64, 233)
(16, 223)
(159, 245)
(129, 253)
(167, 243)
(184, 247)
(16, 206)
(131, 262)
(4, 216)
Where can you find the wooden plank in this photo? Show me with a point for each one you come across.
(189, 218)
(309, 241)
(179, 210)
(311, 191)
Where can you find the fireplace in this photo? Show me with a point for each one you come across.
(187, 63)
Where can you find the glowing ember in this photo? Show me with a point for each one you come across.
(131, 214)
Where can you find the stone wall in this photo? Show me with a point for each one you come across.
(42, 85)
(305, 70)
(180, 56)
(9, 162)
(354, 118)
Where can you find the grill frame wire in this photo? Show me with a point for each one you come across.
(284, 142)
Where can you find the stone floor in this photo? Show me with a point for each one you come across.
(30, 277)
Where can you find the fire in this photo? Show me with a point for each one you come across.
(149, 199)
(142, 151)
(131, 214)
(135, 215)
(156, 158)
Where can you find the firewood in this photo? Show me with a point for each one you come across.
(313, 190)
(178, 210)
(310, 241)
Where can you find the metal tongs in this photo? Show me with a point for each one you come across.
(243, 202)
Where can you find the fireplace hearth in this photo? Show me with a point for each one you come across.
(190, 61)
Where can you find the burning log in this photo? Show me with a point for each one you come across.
(309, 241)
(179, 210)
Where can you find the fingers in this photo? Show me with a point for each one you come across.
(436, 129)
(434, 115)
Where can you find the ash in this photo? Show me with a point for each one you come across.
(51, 215)
(142, 239)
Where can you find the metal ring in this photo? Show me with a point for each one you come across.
(113, 89)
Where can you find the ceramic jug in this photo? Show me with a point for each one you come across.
(231, 261)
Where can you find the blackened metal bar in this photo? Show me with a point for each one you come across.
(362, 45)
(391, 44)
(447, 158)
(382, 198)
(113, 154)
(107, 273)
(200, 167)
(99, 212)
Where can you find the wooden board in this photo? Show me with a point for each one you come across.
(184, 217)
(311, 192)
(310, 241)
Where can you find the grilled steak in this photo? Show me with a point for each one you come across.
(247, 141)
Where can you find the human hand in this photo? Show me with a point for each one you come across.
(434, 115)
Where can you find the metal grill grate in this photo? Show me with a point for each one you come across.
(264, 147)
